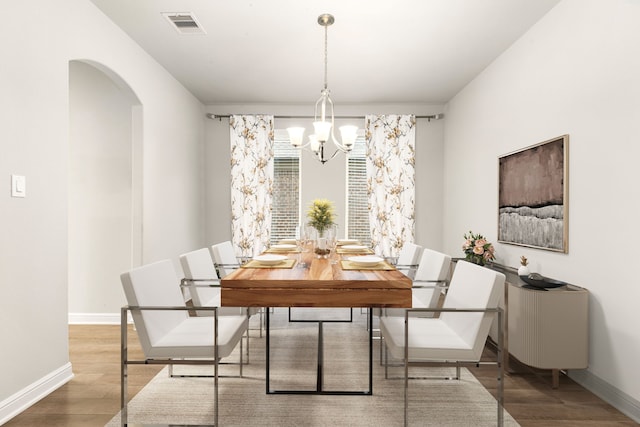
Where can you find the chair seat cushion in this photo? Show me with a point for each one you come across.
(430, 340)
(186, 339)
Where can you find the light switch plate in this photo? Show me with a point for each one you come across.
(18, 186)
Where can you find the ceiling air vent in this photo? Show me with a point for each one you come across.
(184, 22)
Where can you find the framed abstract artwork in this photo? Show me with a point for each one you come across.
(533, 190)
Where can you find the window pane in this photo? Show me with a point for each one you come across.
(357, 198)
(286, 188)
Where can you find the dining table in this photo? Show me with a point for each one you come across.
(302, 279)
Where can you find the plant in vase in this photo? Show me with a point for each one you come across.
(321, 216)
(477, 249)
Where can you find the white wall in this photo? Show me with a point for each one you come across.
(34, 118)
(327, 180)
(575, 72)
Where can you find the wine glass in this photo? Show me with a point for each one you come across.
(307, 237)
(300, 242)
(332, 241)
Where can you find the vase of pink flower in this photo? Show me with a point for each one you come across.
(477, 249)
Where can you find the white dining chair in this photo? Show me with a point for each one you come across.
(460, 332)
(200, 278)
(407, 264)
(408, 259)
(224, 257)
(430, 280)
(226, 262)
(201, 281)
(166, 332)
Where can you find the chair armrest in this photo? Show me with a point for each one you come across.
(200, 283)
(232, 265)
(406, 266)
(167, 308)
(498, 310)
(431, 284)
(455, 310)
(408, 270)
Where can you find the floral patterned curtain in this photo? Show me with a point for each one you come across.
(391, 181)
(251, 182)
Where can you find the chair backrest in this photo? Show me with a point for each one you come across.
(199, 265)
(433, 265)
(409, 255)
(154, 285)
(225, 258)
(473, 286)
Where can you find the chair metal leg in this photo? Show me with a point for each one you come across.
(500, 370)
(215, 369)
(499, 366)
(406, 368)
(124, 363)
(123, 367)
(240, 373)
(386, 361)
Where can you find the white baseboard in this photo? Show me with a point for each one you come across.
(616, 398)
(95, 318)
(26, 397)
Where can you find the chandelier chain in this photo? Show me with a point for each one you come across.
(325, 56)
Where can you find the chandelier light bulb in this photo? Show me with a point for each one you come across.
(314, 144)
(296, 135)
(348, 134)
(322, 130)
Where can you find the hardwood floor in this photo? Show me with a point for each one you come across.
(92, 398)
(530, 399)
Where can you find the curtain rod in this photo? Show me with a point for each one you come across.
(226, 116)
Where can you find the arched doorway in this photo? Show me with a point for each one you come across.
(104, 187)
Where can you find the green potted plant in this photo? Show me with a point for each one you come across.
(321, 216)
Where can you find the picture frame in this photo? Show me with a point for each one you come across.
(533, 190)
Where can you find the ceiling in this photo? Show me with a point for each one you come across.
(272, 51)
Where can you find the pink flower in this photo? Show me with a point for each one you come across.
(477, 248)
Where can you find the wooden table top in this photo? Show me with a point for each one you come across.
(320, 284)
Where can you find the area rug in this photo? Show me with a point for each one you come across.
(243, 401)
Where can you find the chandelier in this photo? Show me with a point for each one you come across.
(323, 123)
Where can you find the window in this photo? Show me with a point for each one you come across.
(286, 188)
(285, 213)
(357, 197)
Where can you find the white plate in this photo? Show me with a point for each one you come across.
(347, 241)
(269, 259)
(365, 260)
(354, 248)
(283, 247)
(287, 242)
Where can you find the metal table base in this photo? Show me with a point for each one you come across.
(320, 364)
